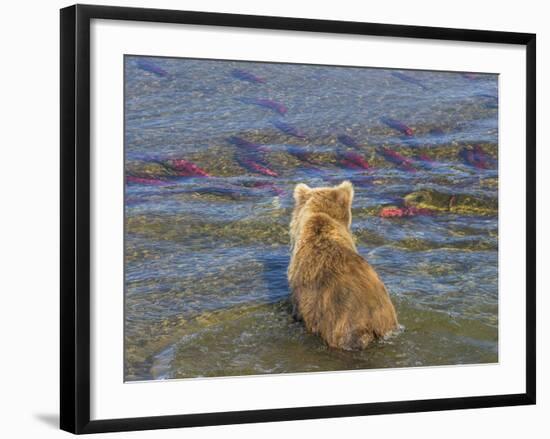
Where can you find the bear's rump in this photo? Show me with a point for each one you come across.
(344, 318)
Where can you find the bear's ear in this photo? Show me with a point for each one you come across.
(301, 192)
(344, 193)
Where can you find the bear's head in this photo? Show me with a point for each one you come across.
(332, 201)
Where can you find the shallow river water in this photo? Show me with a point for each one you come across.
(213, 150)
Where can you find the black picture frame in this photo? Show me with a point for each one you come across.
(75, 217)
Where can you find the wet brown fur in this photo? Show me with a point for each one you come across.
(334, 290)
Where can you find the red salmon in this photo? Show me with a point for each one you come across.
(187, 169)
(398, 159)
(254, 166)
(397, 125)
(400, 212)
(352, 160)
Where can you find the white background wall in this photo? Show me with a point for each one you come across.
(29, 249)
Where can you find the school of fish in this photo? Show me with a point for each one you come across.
(251, 156)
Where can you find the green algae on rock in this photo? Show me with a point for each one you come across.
(454, 203)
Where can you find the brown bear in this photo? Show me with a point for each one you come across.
(334, 290)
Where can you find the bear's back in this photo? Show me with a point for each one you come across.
(335, 291)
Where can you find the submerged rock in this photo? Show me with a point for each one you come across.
(455, 203)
